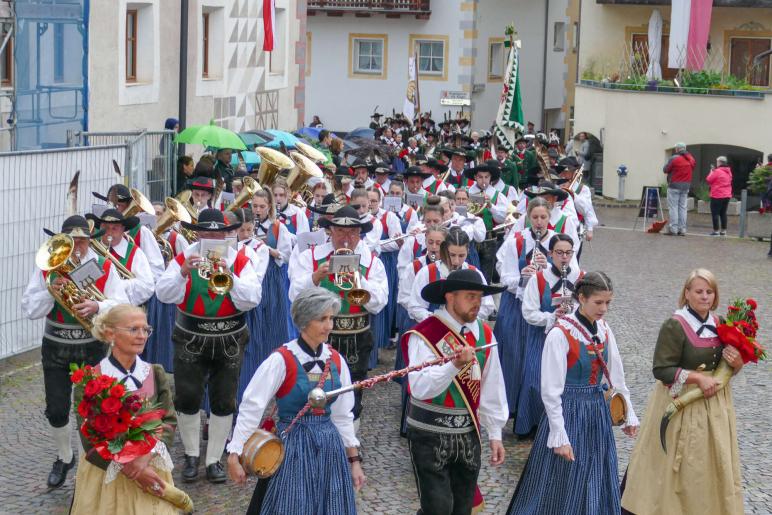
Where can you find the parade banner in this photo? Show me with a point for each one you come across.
(412, 104)
(509, 120)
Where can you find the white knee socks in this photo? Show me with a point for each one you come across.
(190, 430)
(219, 429)
(62, 440)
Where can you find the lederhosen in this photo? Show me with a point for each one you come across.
(351, 331)
(209, 339)
(65, 341)
(444, 432)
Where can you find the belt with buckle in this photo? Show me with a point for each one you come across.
(210, 326)
(439, 419)
(351, 324)
(72, 334)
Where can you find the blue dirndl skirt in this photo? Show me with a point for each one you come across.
(159, 349)
(510, 332)
(473, 258)
(385, 320)
(253, 355)
(587, 486)
(529, 404)
(315, 476)
(291, 330)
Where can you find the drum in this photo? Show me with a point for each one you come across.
(262, 454)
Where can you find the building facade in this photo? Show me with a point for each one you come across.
(719, 110)
(358, 55)
(115, 66)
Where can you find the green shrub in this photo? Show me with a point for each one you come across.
(759, 178)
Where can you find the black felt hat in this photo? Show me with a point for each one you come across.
(210, 220)
(346, 217)
(459, 280)
(113, 216)
(415, 171)
(329, 205)
(546, 188)
(121, 192)
(491, 165)
(437, 165)
(202, 183)
(75, 226)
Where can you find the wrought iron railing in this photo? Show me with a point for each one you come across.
(407, 6)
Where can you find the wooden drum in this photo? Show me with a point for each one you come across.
(262, 454)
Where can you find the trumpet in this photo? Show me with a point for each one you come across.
(219, 279)
(104, 251)
(175, 212)
(350, 282)
(58, 257)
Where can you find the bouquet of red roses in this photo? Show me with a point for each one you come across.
(740, 328)
(121, 425)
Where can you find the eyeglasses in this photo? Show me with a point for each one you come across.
(563, 253)
(134, 331)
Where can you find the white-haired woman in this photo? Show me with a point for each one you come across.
(322, 466)
(132, 490)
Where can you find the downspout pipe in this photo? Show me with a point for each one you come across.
(544, 68)
(183, 84)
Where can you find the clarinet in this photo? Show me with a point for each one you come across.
(535, 254)
(567, 303)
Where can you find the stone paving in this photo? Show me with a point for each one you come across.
(647, 271)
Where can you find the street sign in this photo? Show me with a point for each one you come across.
(455, 98)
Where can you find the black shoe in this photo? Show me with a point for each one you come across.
(190, 471)
(215, 473)
(59, 472)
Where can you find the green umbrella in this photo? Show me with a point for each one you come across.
(211, 136)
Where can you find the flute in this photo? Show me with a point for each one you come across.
(403, 236)
(318, 398)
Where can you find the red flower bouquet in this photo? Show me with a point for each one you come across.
(740, 328)
(120, 425)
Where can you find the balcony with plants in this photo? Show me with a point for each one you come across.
(391, 8)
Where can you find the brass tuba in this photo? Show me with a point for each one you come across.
(139, 204)
(248, 190)
(185, 199)
(297, 181)
(314, 154)
(175, 212)
(219, 279)
(271, 163)
(56, 255)
(350, 282)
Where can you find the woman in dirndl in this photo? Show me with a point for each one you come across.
(700, 471)
(102, 486)
(572, 467)
(273, 306)
(518, 259)
(322, 466)
(542, 305)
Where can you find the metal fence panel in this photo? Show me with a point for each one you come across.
(33, 196)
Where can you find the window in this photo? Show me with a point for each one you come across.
(205, 45)
(496, 59)
(432, 55)
(368, 56)
(131, 45)
(743, 50)
(640, 48)
(559, 37)
(6, 60)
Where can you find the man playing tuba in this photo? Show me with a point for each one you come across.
(212, 294)
(65, 339)
(363, 292)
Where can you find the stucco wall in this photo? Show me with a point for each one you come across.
(639, 128)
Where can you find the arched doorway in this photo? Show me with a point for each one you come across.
(742, 161)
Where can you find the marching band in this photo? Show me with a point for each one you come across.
(408, 260)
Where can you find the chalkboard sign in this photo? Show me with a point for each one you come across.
(650, 202)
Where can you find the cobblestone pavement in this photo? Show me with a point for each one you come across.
(647, 271)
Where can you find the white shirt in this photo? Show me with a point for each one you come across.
(152, 251)
(431, 180)
(266, 382)
(142, 369)
(37, 302)
(180, 244)
(406, 279)
(418, 308)
(284, 243)
(394, 228)
(406, 255)
(373, 237)
(301, 218)
(245, 294)
(473, 226)
(532, 301)
(554, 366)
(414, 218)
(583, 205)
(257, 252)
(432, 381)
(141, 288)
(300, 274)
(570, 226)
(508, 259)
(499, 209)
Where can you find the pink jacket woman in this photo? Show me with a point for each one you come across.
(720, 181)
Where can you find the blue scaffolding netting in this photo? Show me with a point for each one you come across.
(51, 71)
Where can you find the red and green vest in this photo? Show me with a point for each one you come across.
(557, 227)
(486, 214)
(128, 258)
(201, 302)
(328, 283)
(136, 234)
(58, 313)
